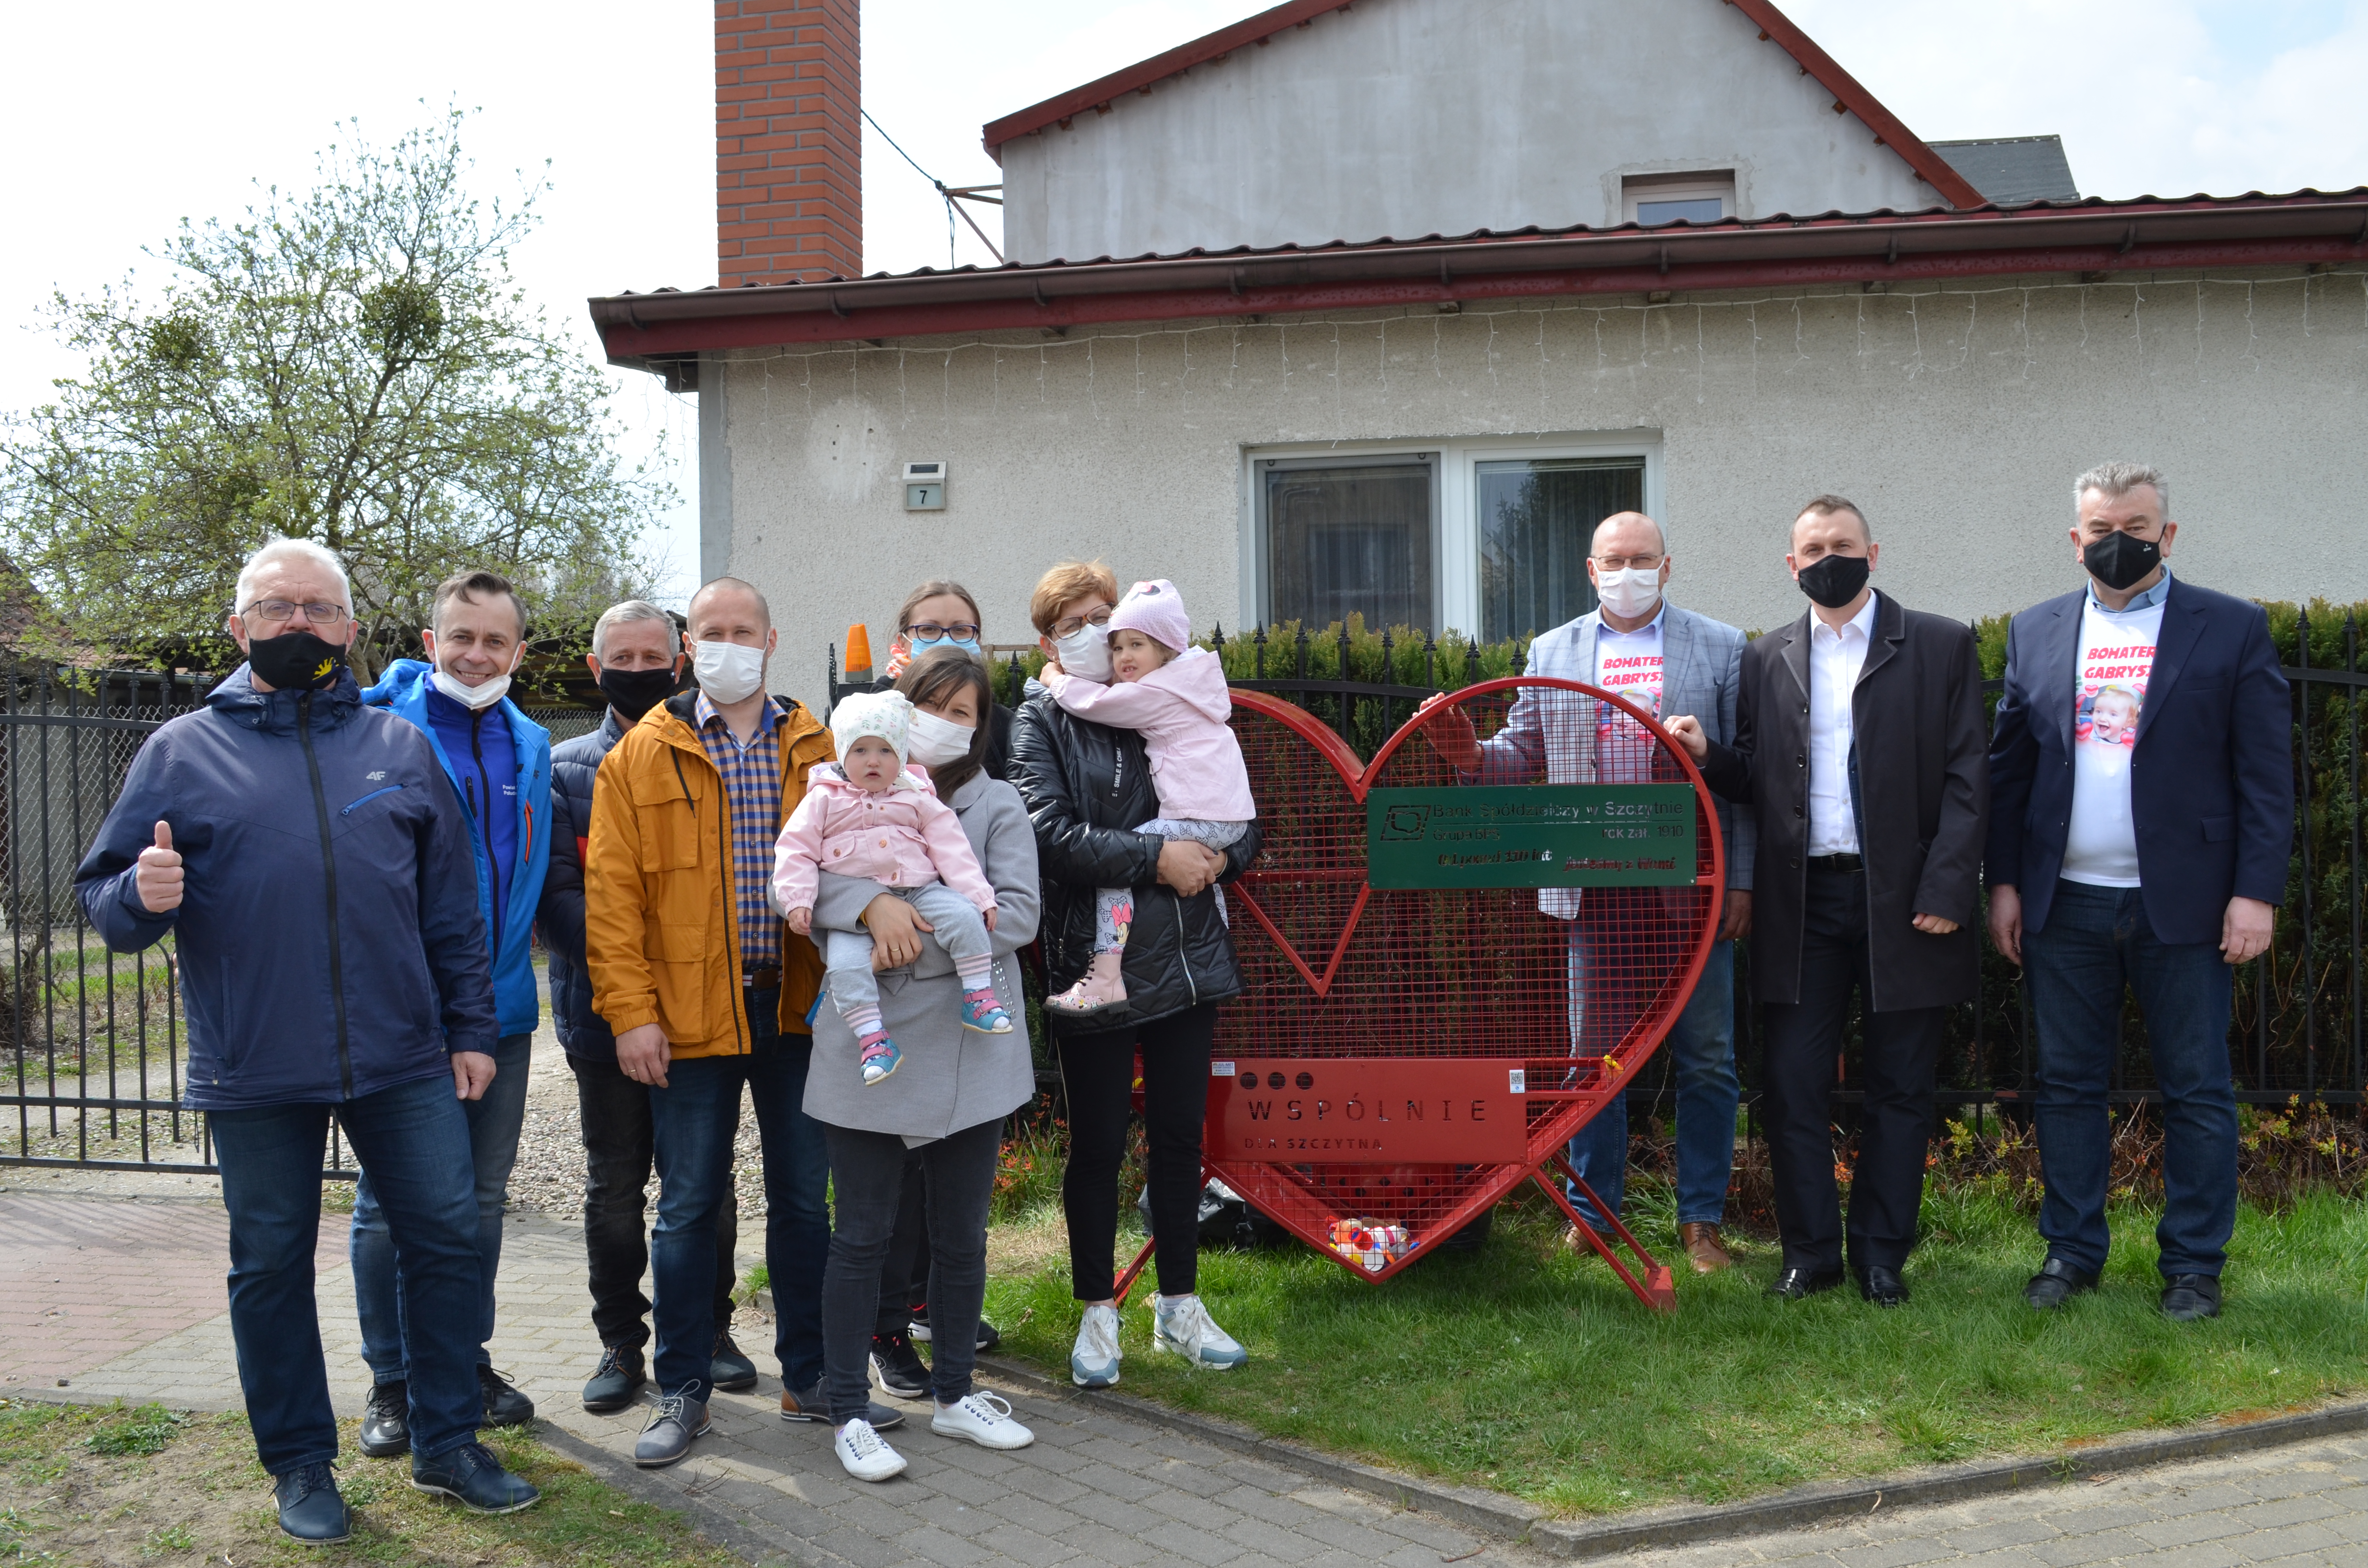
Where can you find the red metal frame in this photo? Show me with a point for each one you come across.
(1570, 1086)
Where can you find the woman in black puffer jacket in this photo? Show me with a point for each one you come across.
(1086, 787)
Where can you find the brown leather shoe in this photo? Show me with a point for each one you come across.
(1703, 1249)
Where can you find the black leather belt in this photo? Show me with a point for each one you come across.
(766, 978)
(1837, 863)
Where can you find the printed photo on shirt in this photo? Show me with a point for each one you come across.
(2113, 693)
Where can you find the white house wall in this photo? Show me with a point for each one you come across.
(1957, 417)
(1407, 118)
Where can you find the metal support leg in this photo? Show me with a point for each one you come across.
(1658, 1289)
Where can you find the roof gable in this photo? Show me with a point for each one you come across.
(1104, 93)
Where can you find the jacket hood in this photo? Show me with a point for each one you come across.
(1198, 676)
(399, 679)
(274, 712)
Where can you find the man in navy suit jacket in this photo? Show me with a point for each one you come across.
(2141, 795)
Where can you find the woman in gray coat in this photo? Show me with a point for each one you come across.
(948, 1101)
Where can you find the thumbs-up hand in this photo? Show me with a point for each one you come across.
(156, 880)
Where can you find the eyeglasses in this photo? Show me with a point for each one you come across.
(1069, 625)
(930, 631)
(278, 612)
(1620, 563)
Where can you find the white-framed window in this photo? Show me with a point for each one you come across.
(1485, 534)
(1702, 198)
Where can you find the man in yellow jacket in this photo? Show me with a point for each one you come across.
(706, 991)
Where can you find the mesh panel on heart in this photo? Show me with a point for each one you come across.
(1524, 879)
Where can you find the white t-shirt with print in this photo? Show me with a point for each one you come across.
(1627, 662)
(2108, 693)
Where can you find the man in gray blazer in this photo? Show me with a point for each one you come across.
(1664, 660)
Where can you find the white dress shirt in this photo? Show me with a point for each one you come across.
(1835, 660)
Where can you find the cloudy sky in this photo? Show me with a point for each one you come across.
(173, 110)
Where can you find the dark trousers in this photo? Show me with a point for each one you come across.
(870, 1174)
(494, 1118)
(904, 1270)
(614, 1113)
(414, 1139)
(693, 1121)
(1805, 1043)
(1098, 1078)
(2099, 942)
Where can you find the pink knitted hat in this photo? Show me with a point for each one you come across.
(1155, 610)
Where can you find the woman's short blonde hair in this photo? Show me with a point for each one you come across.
(1066, 583)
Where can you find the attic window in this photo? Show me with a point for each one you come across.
(1703, 197)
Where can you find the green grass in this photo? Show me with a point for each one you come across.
(107, 1486)
(1527, 1368)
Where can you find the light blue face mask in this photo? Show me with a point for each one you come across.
(967, 645)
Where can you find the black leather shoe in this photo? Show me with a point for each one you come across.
(677, 1422)
(2056, 1283)
(1797, 1283)
(615, 1380)
(473, 1475)
(2187, 1297)
(310, 1512)
(727, 1369)
(386, 1421)
(505, 1406)
(1882, 1286)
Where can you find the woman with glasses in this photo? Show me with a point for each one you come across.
(941, 613)
(1089, 790)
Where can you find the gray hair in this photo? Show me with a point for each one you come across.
(284, 549)
(619, 615)
(2116, 480)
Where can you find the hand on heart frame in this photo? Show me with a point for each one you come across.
(1536, 907)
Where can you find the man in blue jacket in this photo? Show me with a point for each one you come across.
(311, 863)
(498, 762)
(2143, 812)
(637, 658)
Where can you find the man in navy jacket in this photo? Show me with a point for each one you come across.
(2143, 811)
(313, 868)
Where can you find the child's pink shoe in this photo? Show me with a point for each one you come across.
(981, 1012)
(879, 1059)
(1101, 990)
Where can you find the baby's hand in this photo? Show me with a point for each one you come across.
(987, 916)
(801, 922)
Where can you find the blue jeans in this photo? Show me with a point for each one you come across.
(692, 1121)
(494, 1118)
(1702, 1044)
(417, 1141)
(2098, 941)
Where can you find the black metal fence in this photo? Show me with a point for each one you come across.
(2297, 1028)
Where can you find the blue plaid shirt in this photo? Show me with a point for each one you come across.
(752, 789)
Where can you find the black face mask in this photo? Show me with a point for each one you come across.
(295, 661)
(634, 692)
(1834, 580)
(2119, 558)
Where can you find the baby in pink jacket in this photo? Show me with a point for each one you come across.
(1174, 695)
(872, 814)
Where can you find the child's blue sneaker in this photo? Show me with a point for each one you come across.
(879, 1059)
(981, 1012)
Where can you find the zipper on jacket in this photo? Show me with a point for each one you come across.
(484, 827)
(366, 800)
(329, 878)
(1184, 948)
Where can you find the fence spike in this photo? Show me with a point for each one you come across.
(1258, 642)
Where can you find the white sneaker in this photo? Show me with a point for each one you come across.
(1094, 1363)
(1182, 1326)
(866, 1454)
(985, 1419)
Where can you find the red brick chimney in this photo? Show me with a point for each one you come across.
(788, 144)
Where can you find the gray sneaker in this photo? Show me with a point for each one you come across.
(677, 1420)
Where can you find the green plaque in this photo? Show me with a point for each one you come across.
(1532, 835)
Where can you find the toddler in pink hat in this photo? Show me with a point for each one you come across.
(1174, 696)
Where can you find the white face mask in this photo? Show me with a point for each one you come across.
(483, 694)
(728, 672)
(934, 742)
(1631, 591)
(1084, 653)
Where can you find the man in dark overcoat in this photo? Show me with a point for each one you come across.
(1860, 746)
